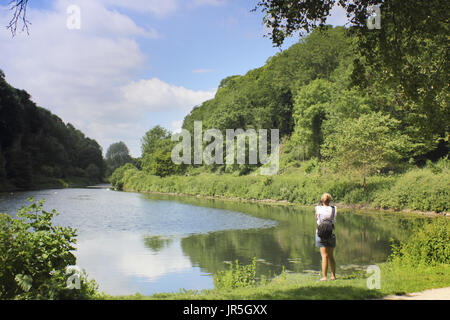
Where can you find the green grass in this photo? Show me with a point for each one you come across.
(401, 279)
(297, 286)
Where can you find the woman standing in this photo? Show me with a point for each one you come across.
(326, 212)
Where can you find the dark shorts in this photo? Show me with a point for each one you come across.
(330, 243)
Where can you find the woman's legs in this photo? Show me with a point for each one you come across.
(327, 255)
(332, 262)
(324, 254)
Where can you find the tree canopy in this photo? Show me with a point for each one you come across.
(116, 156)
(156, 153)
(408, 55)
(368, 144)
(36, 145)
(309, 93)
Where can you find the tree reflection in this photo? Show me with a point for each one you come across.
(362, 239)
(156, 243)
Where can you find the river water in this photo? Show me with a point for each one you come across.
(131, 242)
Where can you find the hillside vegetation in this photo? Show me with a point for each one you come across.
(37, 149)
(364, 142)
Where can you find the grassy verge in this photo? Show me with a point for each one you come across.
(295, 286)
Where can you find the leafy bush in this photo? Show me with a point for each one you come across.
(429, 245)
(311, 165)
(116, 178)
(237, 276)
(34, 255)
(419, 189)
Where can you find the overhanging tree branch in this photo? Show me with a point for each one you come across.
(19, 9)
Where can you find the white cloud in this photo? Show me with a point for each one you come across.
(86, 76)
(338, 16)
(134, 260)
(176, 126)
(97, 19)
(209, 2)
(158, 7)
(202, 70)
(157, 95)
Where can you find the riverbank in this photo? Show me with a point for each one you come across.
(419, 191)
(394, 281)
(353, 207)
(43, 183)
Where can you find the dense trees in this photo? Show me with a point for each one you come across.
(380, 144)
(116, 156)
(308, 92)
(407, 57)
(38, 147)
(156, 153)
(264, 97)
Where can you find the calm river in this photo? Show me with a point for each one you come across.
(131, 242)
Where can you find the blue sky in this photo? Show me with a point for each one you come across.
(215, 41)
(132, 64)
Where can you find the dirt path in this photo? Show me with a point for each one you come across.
(432, 294)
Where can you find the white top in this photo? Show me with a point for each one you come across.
(323, 212)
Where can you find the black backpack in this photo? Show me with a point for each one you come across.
(326, 227)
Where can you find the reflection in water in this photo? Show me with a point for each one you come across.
(123, 264)
(131, 242)
(362, 239)
(156, 243)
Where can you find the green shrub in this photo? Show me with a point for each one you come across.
(311, 165)
(429, 245)
(418, 189)
(34, 255)
(116, 178)
(237, 276)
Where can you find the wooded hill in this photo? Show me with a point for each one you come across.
(37, 149)
(346, 127)
(315, 95)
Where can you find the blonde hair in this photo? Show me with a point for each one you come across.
(326, 198)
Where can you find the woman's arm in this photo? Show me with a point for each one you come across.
(335, 213)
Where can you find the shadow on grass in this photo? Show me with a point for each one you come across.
(321, 293)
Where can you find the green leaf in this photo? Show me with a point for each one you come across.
(24, 281)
